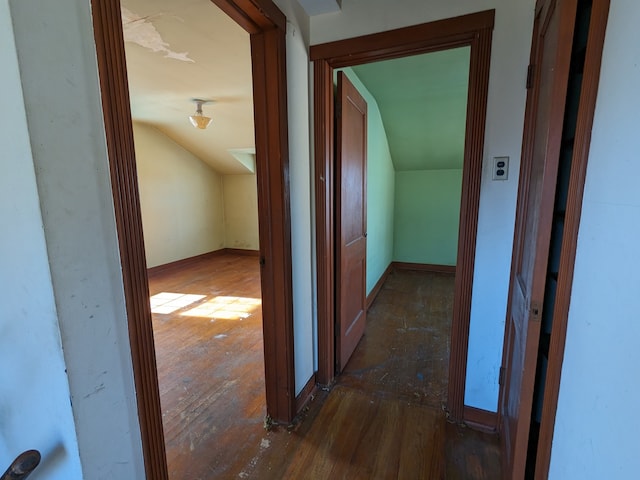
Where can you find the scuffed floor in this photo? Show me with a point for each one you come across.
(382, 419)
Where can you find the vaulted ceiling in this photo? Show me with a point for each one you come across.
(178, 50)
(423, 104)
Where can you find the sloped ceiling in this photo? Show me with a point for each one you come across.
(423, 104)
(178, 50)
(319, 7)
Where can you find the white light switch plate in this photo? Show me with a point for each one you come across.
(500, 168)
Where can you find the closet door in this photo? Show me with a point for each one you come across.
(547, 84)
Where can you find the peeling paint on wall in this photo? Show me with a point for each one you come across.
(141, 31)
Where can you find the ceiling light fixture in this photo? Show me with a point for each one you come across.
(199, 120)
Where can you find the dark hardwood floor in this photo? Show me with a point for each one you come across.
(405, 350)
(210, 363)
(383, 418)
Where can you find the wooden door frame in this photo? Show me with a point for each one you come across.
(559, 51)
(267, 27)
(582, 142)
(474, 30)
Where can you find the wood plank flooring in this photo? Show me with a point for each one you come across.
(383, 418)
(210, 364)
(361, 436)
(405, 350)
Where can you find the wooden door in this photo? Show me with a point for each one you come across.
(351, 231)
(547, 83)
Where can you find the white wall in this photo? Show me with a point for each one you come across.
(32, 365)
(300, 176)
(240, 212)
(181, 199)
(505, 117)
(59, 75)
(58, 69)
(596, 425)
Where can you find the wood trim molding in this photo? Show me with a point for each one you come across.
(112, 69)
(184, 262)
(254, 16)
(306, 394)
(425, 267)
(586, 109)
(272, 169)
(242, 251)
(325, 223)
(402, 42)
(471, 179)
(523, 180)
(470, 30)
(479, 419)
(267, 25)
(378, 286)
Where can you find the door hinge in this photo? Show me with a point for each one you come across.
(530, 76)
(535, 311)
(501, 376)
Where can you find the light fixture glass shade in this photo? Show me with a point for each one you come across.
(200, 121)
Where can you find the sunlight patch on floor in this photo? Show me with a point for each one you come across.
(225, 308)
(167, 302)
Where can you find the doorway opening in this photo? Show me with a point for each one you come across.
(472, 31)
(266, 26)
(566, 53)
(416, 110)
(209, 350)
(198, 196)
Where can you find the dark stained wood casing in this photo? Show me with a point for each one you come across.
(425, 267)
(272, 170)
(267, 25)
(107, 24)
(582, 141)
(544, 116)
(473, 30)
(325, 219)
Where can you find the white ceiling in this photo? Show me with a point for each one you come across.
(178, 50)
(319, 7)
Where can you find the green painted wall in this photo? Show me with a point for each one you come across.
(380, 189)
(423, 103)
(427, 210)
(413, 206)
